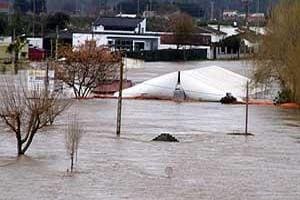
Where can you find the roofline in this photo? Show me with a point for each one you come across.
(118, 33)
(114, 17)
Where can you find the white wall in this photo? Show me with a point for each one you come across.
(81, 38)
(98, 28)
(5, 40)
(35, 42)
(102, 39)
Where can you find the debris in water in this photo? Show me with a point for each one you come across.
(166, 137)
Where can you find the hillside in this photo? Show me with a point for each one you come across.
(93, 6)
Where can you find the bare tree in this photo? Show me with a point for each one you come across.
(183, 28)
(26, 112)
(72, 139)
(86, 67)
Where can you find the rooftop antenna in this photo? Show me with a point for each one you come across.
(257, 11)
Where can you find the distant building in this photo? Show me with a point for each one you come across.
(216, 35)
(230, 15)
(35, 42)
(126, 15)
(120, 33)
(257, 17)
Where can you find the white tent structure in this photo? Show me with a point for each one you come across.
(203, 84)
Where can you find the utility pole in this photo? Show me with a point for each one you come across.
(151, 8)
(14, 52)
(119, 114)
(246, 5)
(247, 108)
(105, 7)
(9, 13)
(257, 11)
(33, 21)
(47, 77)
(51, 48)
(56, 43)
(138, 8)
(93, 33)
(212, 10)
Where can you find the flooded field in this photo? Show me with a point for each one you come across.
(206, 164)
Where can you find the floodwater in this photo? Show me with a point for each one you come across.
(207, 163)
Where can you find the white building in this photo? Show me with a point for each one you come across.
(230, 15)
(120, 33)
(121, 41)
(35, 42)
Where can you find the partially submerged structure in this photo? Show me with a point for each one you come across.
(203, 84)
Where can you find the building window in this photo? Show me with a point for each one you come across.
(123, 44)
(139, 46)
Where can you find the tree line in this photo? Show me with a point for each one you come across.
(42, 24)
(277, 59)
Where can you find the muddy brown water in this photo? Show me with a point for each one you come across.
(206, 164)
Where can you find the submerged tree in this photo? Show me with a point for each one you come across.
(72, 139)
(26, 112)
(15, 48)
(278, 57)
(86, 67)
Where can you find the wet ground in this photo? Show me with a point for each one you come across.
(206, 164)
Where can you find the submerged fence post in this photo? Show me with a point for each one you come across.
(119, 114)
(247, 108)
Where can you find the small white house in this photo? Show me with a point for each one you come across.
(35, 42)
(122, 33)
(121, 41)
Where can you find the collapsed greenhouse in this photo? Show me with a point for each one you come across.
(202, 84)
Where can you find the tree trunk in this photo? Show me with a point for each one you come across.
(16, 59)
(19, 147)
(19, 140)
(28, 142)
(72, 161)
